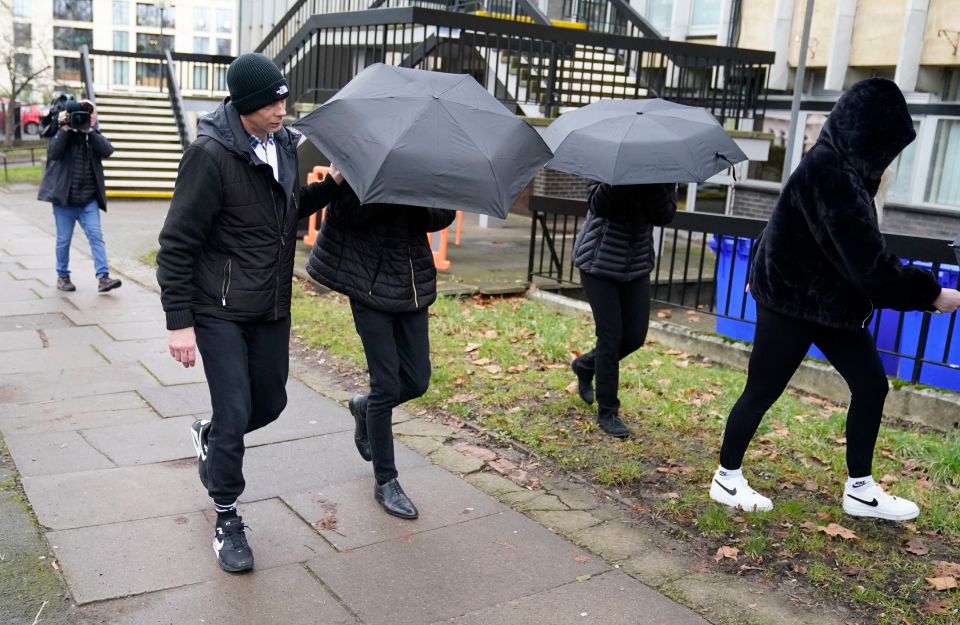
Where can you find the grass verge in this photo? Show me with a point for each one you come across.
(22, 174)
(504, 363)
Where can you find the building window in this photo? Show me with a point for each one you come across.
(152, 43)
(220, 79)
(223, 47)
(224, 20)
(899, 190)
(21, 8)
(149, 74)
(148, 15)
(201, 45)
(22, 65)
(65, 38)
(201, 19)
(660, 14)
(169, 17)
(705, 16)
(73, 10)
(943, 186)
(121, 72)
(121, 13)
(121, 41)
(22, 35)
(66, 68)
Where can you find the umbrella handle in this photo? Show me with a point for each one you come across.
(732, 164)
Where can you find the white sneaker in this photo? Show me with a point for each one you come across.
(871, 501)
(735, 492)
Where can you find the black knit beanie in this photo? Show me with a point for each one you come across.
(254, 82)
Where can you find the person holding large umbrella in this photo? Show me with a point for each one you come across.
(412, 146)
(635, 151)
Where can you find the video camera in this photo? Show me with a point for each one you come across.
(78, 115)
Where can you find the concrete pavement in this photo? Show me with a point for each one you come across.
(95, 417)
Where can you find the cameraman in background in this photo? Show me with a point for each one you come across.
(73, 183)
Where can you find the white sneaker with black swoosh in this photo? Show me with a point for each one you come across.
(735, 492)
(869, 500)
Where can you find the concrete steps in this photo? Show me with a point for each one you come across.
(146, 142)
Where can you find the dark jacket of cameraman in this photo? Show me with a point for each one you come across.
(378, 254)
(227, 245)
(74, 172)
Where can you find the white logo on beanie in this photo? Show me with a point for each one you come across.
(282, 90)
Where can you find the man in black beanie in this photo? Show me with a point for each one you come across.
(225, 270)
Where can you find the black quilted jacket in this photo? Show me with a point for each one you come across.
(378, 254)
(822, 257)
(616, 241)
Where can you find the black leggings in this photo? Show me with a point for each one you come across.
(621, 314)
(778, 349)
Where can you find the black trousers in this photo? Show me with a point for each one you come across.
(621, 314)
(246, 364)
(779, 346)
(397, 347)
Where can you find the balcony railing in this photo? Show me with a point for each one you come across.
(198, 75)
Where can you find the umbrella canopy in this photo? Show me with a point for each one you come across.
(408, 136)
(639, 142)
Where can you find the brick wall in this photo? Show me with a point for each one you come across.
(755, 200)
(559, 184)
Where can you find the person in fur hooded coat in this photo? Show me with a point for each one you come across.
(819, 273)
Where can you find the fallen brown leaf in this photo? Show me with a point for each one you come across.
(572, 388)
(581, 559)
(494, 369)
(517, 369)
(726, 552)
(462, 398)
(327, 522)
(942, 583)
(916, 546)
(471, 347)
(936, 606)
(480, 362)
(181, 520)
(491, 334)
(835, 529)
(807, 525)
(946, 569)
(664, 314)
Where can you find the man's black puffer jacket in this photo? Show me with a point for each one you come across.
(616, 241)
(821, 257)
(378, 254)
(227, 245)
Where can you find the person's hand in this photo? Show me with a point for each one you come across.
(183, 346)
(62, 118)
(93, 114)
(335, 174)
(948, 300)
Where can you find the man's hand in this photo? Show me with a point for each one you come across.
(948, 300)
(183, 346)
(62, 118)
(335, 174)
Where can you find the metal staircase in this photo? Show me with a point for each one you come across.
(147, 144)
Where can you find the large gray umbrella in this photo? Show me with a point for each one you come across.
(640, 141)
(407, 136)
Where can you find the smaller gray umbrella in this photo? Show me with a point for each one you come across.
(409, 136)
(640, 141)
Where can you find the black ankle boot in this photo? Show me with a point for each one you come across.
(394, 500)
(584, 383)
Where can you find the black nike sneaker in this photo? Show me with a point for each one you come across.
(230, 545)
(198, 434)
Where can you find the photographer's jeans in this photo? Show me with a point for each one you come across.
(89, 218)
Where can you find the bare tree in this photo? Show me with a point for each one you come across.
(18, 76)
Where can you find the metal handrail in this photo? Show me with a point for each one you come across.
(176, 100)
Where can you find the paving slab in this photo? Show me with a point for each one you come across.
(45, 262)
(287, 595)
(80, 421)
(19, 339)
(601, 600)
(122, 559)
(453, 570)
(169, 372)
(16, 291)
(179, 400)
(68, 383)
(160, 440)
(442, 499)
(75, 406)
(130, 351)
(129, 330)
(33, 322)
(72, 356)
(53, 453)
(34, 307)
(122, 314)
(43, 277)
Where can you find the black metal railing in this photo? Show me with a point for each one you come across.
(614, 17)
(703, 263)
(524, 65)
(176, 100)
(86, 73)
(198, 75)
